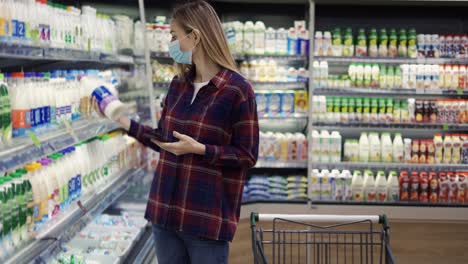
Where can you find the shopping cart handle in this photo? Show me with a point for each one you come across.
(381, 219)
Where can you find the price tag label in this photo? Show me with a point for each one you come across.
(445, 127)
(34, 138)
(459, 91)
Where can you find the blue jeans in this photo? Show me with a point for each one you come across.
(178, 248)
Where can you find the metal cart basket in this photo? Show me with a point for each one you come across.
(320, 239)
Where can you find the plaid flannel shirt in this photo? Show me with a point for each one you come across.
(201, 195)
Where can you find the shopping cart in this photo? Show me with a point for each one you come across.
(305, 239)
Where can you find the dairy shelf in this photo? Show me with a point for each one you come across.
(388, 166)
(345, 60)
(49, 239)
(379, 92)
(277, 57)
(22, 150)
(399, 203)
(21, 52)
(263, 164)
(142, 248)
(257, 86)
(274, 201)
(391, 127)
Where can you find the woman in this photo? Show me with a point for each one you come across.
(209, 128)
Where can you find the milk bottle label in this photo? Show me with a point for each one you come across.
(287, 103)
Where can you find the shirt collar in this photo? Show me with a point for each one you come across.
(219, 80)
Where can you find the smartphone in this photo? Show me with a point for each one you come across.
(155, 135)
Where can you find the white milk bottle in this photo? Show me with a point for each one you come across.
(369, 186)
(335, 147)
(318, 43)
(336, 187)
(357, 186)
(340, 187)
(249, 38)
(282, 41)
(324, 146)
(347, 191)
(375, 154)
(316, 146)
(315, 185)
(381, 187)
(386, 148)
(326, 186)
(239, 29)
(270, 41)
(292, 41)
(259, 38)
(398, 149)
(323, 69)
(364, 148)
(393, 187)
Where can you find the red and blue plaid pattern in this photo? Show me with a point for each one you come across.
(201, 195)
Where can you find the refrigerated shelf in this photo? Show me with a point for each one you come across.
(380, 165)
(263, 164)
(392, 127)
(379, 92)
(23, 150)
(345, 60)
(50, 239)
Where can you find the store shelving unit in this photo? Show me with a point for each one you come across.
(281, 164)
(380, 92)
(387, 166)
(397, 60)
(396, 127)
(48, 240)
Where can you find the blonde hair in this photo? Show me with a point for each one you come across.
(201, 17)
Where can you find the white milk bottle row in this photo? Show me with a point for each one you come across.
(338, 185)
(270, 71)
(326, 147)
(256, 38)
(283, 147)
(47, 24)
(38, 101)
(33, 195)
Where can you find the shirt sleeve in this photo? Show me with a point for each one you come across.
(138, 130)
(243, 150)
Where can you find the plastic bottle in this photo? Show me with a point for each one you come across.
(383, 43)
(393, 187)
(315, 185)
(292, 41)
(348, 43)
(5, 111)
(390, 77)
(373, 47)
(403, 44)
(327, 44)
(375, 76)
(316, 146)
(318, 46)
(414, 186)
(375, 147)
(369, 187)
(324, 146)
(303, 43)
(398, 149)
(357, 186)
(404, 182)
(7, 217)
(381, 187)
(448, 144)
(259, 38)
(270, 41)
(347, 191)
(361, 46)
(387, 148)
(364, 148)
(323, 68)
(249, 38)
(359, 75)
(423, 187)
(412, 45)
(393, 44)
(337, 44)
(282, 41)
(326, 185)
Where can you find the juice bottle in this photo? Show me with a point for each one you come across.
(392, 44)
(373, 48)
(462, 187)
(358, 110)
(5, 111)
(337, 44)
(393, 187)
(359, 75)
(351, 110)
(336, 110)
(402, 44)
(433, 187)
(444, 186)
(398, 149)
(456, 149)
(374, 111)
(404, 186)
(390, 77)
(430, 152)
(357, 186)
(412, 45)
(383, 77)
(369, 187)
(382, 115)
(447, 149)
(386, 148)
(423, 187)
(453, 187)
(383, 43)
(318, 43)
(396, 115)
(344, 118)
(375, 76)
(348, 47)
(375, 147)
(397, 82)
(381, 187)
(361, 47)
(327, 44)
(367, 75)
(408, 150)
(366, 108)
(6, 216)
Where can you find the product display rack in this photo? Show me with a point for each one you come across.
(354, 129)
(79, 213)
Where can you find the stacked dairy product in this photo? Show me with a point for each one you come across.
(283, 147)
(268, 70)
(281, 103)
(255, 38)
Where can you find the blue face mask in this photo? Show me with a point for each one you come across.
(179, 56)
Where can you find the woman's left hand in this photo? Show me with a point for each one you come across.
(185, 145)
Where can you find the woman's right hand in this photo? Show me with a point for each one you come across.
(96, 108)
